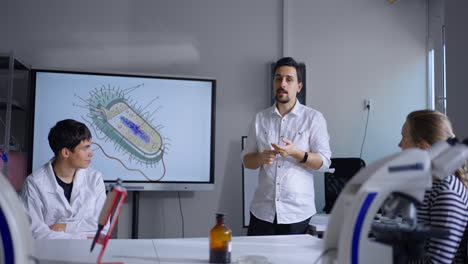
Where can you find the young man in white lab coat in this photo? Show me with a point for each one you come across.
(64, 197)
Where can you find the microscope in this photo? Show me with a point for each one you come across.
(395, 184)
(15, 233)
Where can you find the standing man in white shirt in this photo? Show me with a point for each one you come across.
(287, 142)
(64, 197)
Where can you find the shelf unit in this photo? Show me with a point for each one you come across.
(14, 114)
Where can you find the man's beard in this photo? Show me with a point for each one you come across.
(285, 100)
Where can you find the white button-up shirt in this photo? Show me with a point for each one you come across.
(286, 187)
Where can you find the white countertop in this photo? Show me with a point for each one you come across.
(264, 249)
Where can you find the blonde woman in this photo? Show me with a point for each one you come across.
(446, 204)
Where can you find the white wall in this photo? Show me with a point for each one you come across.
(353, 50)
(356, 50)
(457, 57)
(4, 22)
(228, 40)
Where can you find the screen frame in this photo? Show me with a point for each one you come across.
(136, 185)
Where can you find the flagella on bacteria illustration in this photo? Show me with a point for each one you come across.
(115, 115)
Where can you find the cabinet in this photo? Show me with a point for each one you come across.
(15, 117)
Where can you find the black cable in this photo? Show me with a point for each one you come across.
(324, 253)
(365, 131)
(181, 215)
(33, 258)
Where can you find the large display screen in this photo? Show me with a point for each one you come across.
(154, 133)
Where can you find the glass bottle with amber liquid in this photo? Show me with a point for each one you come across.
(220, 241)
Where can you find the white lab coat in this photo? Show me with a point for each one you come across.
(45, 203)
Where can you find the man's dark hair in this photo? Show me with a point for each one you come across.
(68, 134)
(288, 61)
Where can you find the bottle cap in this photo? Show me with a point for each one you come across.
(220, 215)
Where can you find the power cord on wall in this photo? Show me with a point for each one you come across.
(365, 129)
(181, 215)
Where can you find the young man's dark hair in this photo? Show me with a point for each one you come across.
(288, 61)
(68, 134)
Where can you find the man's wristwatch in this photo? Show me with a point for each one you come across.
(304, 160)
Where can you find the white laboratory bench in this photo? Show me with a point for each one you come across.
(264, 249)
